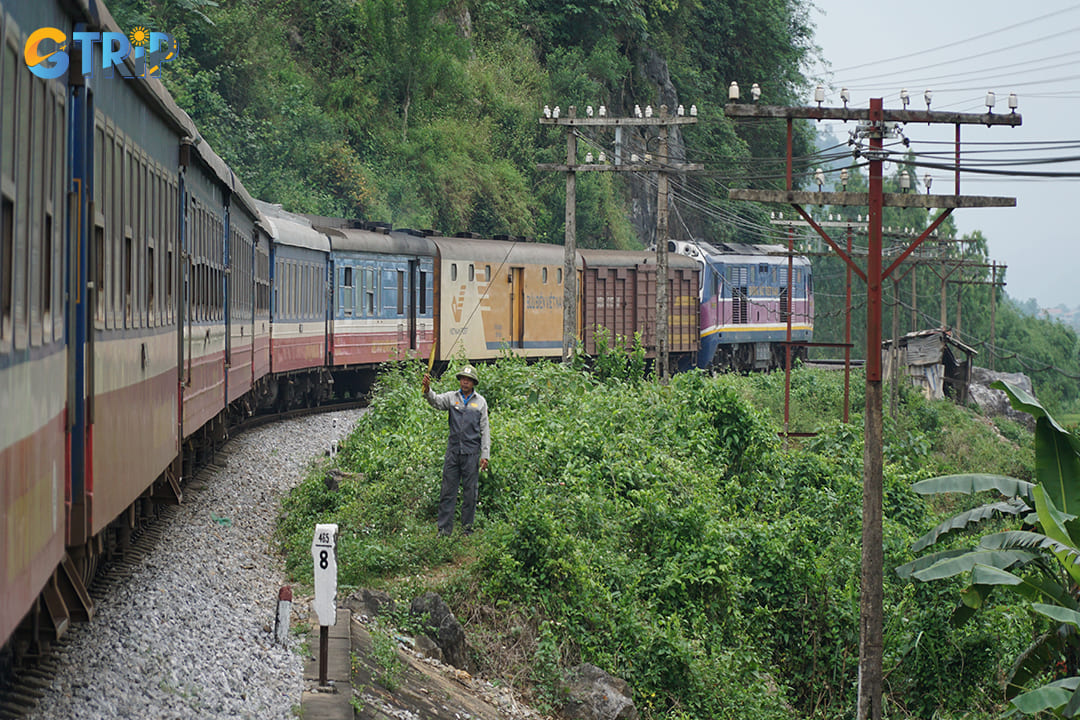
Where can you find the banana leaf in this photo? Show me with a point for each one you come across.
(1058, 613)
(1057, 454)
(1048, 697)
(949, 567)
(970, 483)
(1012, 506)
(904, 571)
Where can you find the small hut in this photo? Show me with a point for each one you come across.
(933, 360)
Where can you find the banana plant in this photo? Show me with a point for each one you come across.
(1039, 563)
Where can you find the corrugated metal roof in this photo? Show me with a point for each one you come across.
(943, 333)
(627, 258)
(358, 240)
(499, 251)
(289, 228)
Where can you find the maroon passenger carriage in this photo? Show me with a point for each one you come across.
(299, 330)
(225, 331)
(34, 357)
(105, 185)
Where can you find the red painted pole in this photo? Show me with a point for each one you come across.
(787, 346)
(847, 333)
(871, 614)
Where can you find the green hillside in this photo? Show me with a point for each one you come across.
(665, 534)
(423, 113)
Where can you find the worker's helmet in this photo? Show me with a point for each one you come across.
(469, 372)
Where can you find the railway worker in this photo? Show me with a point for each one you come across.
(468, 447)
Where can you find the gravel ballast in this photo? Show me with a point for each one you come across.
(189, 632)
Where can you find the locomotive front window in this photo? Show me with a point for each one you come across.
(763, 270)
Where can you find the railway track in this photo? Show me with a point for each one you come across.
(21, 688)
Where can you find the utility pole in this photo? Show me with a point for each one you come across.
(570, 244)
(663, 121)
(874, 124)
(662, 253)
(850, 227)
(994, 284)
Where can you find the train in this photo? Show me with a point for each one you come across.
(148, 303)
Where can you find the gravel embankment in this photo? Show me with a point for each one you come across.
(189, 633)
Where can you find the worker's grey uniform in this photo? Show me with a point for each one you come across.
(469, 442)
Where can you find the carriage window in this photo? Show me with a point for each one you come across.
(401, 290)
(543, 275)
(37, 152)
(487, 273)
(150, 283)
(169, 284)
(47, 271)
(346, 302)
(126, 270)
(7, 242)
(7, 119)
(422, 291)
(558, 276)
(453, 272)
(99, 275)
(472, 272)
(370, 291)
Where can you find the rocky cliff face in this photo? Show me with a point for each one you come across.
(995, 402)
(643, 195)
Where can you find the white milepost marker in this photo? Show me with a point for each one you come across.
(324, 553)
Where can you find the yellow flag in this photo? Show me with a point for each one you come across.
(431, 357)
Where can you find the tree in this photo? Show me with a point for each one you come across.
(1041, 564)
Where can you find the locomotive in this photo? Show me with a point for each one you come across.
(148, 302)
(747, 300)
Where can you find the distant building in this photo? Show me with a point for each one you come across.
(932, 360)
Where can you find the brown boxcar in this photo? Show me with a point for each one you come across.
(618, 293)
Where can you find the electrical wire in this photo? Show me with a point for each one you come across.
(953, 44)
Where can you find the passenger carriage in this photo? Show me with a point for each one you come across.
(204, 329)
(299, 314)
(34, 357)
(383, 293)
(496, 294)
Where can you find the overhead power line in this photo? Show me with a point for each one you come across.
(973, 38)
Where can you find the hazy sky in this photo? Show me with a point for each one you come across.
(960, 49)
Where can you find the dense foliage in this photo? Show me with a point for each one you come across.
(667, 535)
(423, 113)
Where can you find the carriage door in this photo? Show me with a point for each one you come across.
(517, 307)
(414, 288)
